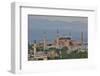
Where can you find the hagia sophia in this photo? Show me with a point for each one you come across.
(58, 43)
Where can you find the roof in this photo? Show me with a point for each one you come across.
(65, 38)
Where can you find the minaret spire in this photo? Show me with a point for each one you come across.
(81, 38)
(44, 41)
(70, 34)
(34, 47)
(57, 41)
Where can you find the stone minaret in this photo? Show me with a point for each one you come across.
(57, 41)
(81, 38)
(44, 42)
(34, 48)
(70, 34)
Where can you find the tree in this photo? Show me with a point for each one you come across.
(64, 48)
(39, 48)
(64, 52)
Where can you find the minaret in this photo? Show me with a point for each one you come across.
(70, 34)
(57, 41)
(34, 48)
(44, 41)
(81, 38)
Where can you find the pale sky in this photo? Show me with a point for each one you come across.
(39, 24)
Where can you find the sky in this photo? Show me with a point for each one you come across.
(67, 26)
